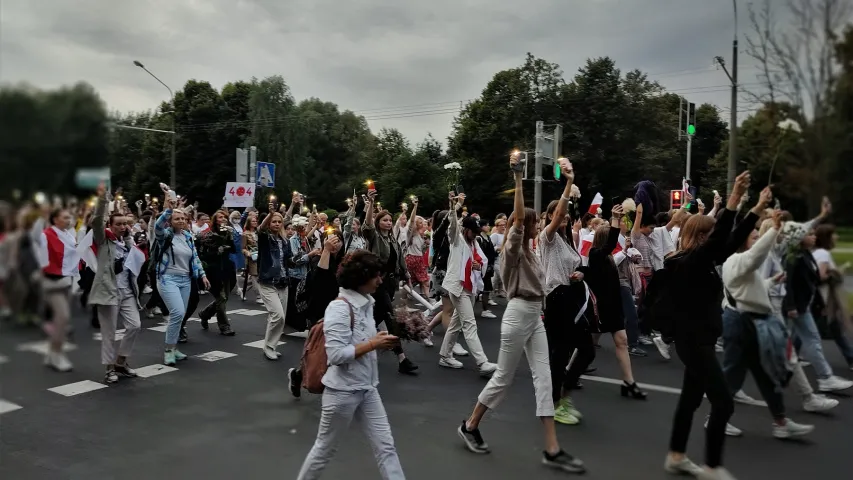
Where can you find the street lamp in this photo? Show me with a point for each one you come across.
(732, 167)
(172, 179)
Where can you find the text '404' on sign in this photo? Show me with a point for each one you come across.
(239, 194)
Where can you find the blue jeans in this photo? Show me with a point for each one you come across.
(175, 292)
(741, 353)
(631, 321)
(805, 330)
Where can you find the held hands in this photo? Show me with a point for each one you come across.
(384, 341)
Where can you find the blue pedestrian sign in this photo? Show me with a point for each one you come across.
(266, 175)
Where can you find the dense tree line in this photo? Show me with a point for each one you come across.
(618, 128)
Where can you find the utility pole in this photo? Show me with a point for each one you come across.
(687, 128)
(732, 170)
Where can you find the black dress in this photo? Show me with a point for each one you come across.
(603, 279)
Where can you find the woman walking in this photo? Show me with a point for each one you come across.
(273, 255)
(215, 248)
(353, 376)
(522, 331)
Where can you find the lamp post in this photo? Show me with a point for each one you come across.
(732, 170)
(172, 177)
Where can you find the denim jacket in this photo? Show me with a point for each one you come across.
(270, 271)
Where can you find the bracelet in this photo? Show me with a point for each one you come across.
(563, 197)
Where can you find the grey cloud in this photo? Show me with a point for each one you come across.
(370, 54)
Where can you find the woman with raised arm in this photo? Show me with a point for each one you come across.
(273, 254)
(522, 331)
(693, 298)
(377, 231)
(177, 266)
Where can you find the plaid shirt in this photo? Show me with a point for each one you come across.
(162, 232)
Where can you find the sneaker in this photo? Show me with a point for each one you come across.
(294, 381)
(487, 369)
(147, 290)
(681, 467)
(407, 366)
(58, 361)
(833, 384)
(110, 377)
(150, 314)
(493, 303)
(270, 354)
(472, 438)
(182, 336)
(169, 358)
(487, 314)
(791, 429)
(805, 364)
(458, 351)
(731, 430)
(125, 371)
(718, 473)
(645, 340)
(741, 397)
(449, 362)
(226, 331)
(663, 348)
(179, 356)
(718, 348)
(563, 461)
(563, 415)
(259, 301)
(156, 311)
(818, 403)
(428, 341)
(637, 352)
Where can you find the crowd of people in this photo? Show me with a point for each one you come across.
(748, 284)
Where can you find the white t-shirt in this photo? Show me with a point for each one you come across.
(498, 241)
(822, 255)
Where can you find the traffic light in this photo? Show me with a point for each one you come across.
(691, 119)
(686, 119)
(675, 199)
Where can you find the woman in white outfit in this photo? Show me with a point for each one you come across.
(522, 331)
(353, 375)
(463, 281)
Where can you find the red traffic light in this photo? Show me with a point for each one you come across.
(675, 198)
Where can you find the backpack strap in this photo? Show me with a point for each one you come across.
(351, 312)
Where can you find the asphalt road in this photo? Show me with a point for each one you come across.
(234, 418)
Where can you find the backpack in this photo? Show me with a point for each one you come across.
(314, 361)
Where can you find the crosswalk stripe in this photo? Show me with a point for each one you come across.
(215, 355)
(154, 370)
(259, 344)
(77, 388)
(6, 407)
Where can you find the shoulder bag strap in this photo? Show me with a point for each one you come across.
(351, 312)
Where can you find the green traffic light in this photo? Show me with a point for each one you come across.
(557, 171)
(691, 129)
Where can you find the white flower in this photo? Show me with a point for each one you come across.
(452, 166)
(576, 192)
(790, 124)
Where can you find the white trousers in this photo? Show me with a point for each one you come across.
(108, 315)
(463, 319)
(275, 301)
(522, 331)
(339, 409)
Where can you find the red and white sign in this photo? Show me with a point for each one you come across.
(239, 194)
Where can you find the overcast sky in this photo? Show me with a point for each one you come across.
(400, 63)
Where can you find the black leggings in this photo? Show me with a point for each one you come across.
(702, 376)
(383, 309)
(565, 336)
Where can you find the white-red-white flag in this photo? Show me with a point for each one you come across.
(596, 204)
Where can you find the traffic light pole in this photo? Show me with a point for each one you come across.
(537, 175)
(689, 150)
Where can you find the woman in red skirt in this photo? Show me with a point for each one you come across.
(415, 248)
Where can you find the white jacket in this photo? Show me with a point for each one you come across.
(460, 252)
(742, 277)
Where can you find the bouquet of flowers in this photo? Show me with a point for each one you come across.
(412, 326)
(453, 171)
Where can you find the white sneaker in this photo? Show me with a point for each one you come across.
(493, 303)
(487, 368)
(791, 429)
(819, 403)
(428, 341)
(150, 314)
(833, 384)
(741, 397)
(682, 467)
(805, 364)
(731, 430)
(271, 354)
(450, 362)
(458, 351)
(58, 361)
(156, 311)
(147, 289)
(259, 301)
(487, 314)
(718, 473)
(662, 347)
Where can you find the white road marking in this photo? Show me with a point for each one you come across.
(6, 407)
(41, 347)
(644, 386)
(3, 359)
(215, 355)
(298, 334)
(259, 344)
(154, 370)
(77, 388)
(158, 328)
(252, 313)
